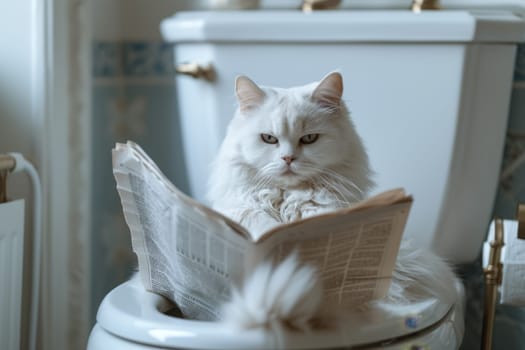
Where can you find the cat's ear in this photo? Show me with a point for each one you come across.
(248, 93)
(329, 91)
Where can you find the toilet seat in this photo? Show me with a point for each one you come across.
(135, 318)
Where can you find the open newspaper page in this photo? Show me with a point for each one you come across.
(184, 253)
(194, 255)
(354, 252)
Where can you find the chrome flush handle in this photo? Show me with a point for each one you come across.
(196, 70)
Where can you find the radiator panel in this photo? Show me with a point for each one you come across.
(11, 271)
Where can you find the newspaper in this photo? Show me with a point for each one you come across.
(194, 256)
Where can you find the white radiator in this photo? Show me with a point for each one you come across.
(11, 271)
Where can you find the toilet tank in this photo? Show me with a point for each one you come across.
(429, 94)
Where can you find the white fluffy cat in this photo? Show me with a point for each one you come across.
(289, 154)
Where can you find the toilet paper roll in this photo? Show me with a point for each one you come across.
(512, 289)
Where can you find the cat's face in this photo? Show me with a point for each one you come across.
(292, 136)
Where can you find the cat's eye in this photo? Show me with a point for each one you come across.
(308, 139)
(269, 139)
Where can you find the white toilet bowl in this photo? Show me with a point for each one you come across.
(429, 95)
(132, 318)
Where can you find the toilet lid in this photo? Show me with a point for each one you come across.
(342, 26)
(132, 313)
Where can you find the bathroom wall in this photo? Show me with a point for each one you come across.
(133, 98)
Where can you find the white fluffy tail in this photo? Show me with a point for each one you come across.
(286, 296)
(421, 273)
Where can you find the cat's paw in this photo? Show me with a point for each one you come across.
(259, 223)
(313, 210)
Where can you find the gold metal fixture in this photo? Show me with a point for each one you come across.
(493, 277)
(7, 163)
(3, 186)
(420, 5)
(521, 220)
(196, 71)
(311, 5)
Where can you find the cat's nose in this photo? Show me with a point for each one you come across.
(288, 159)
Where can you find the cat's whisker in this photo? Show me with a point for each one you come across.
(326, 184)
(331, 187)
(264, 177)
(269, 168)
(347, 183)
(343, 179)
(347, 190)
(334, 182)
(262, 180)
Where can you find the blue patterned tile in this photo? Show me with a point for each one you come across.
(107, 59)
(519, 70)
(517, 110)
(132, 59)
(512, 183)
(137, 59)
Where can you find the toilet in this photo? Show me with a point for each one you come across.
(429, 95)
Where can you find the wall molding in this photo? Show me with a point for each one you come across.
(80, 181)
(62, 33)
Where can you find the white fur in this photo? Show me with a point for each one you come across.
(247, 181)
(249, 185)
(287, 295)
(420, 273)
